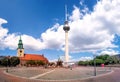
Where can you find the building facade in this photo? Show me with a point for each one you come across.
(27, 57)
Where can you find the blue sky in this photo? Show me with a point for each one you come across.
(94, 27)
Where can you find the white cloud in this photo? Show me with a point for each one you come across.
(81, 2)
(11, 41)
(76, 14)
(109, 52)
(90, 31)
(53, 60)
(32, 43)
(2, 21)
(3, 33)
(85, 58)
(53, 38)
(71, 59)
(96, 29)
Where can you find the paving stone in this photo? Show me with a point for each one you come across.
(112, 77)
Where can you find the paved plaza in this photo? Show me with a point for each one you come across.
(78, 74)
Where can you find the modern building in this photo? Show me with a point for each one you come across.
(26, 57)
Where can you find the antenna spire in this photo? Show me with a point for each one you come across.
(20, 37)
(65, 12)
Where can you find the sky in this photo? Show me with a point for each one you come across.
(94, 27)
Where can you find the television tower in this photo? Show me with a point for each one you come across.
(66, 28)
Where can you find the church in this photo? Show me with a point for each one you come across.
(26, 57)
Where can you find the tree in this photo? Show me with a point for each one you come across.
(103, 57)
(99, 62)
(14, 61)
(0, 62)
(109, 60)
(4, 61)
(60, 63)
(40, 63)
(113, 60)
(91, 62)
(84, 63)
(30, 62)
(51, 64)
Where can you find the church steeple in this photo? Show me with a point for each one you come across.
(20, 44)
(20, 49)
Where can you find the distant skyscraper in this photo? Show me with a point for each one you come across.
(66, 28)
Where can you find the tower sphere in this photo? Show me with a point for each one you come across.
(66, 26)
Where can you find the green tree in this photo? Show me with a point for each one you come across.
(31, 62)
(5, 61)
(84, 63)
(14, 61)
(115, 59)
(40, 63)
(81, 63)
(103, 57)
(99, 62)
(91, 62)
(60, 63)
(0, 62)
(109, 60)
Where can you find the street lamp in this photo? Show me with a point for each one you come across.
(94, 64)
(7, 65)
(8, 62)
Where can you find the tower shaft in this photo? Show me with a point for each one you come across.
(66, 28)
(66, 48)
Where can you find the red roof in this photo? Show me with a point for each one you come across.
(34, 57)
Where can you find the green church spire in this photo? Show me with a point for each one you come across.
(20, 44)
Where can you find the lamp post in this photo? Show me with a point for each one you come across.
(94, 64)
(7, 65)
